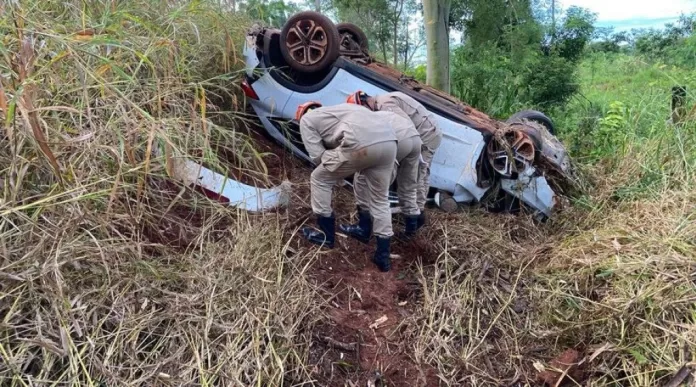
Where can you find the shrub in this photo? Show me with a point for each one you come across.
(551, 81)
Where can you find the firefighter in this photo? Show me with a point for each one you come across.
(342, 140)
(426, 126)
(406, 174)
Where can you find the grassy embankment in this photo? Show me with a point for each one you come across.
(612, 276)
(91, 293)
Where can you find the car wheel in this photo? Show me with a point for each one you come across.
(535, 116)
(309, 42)
(353, 39)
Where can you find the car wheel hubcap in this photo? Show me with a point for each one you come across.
(511, 152)
(307, 42)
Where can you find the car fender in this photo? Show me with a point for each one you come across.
(534, 191)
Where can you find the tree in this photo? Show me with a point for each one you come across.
(575, 33)
(514, 58)
(436, 14)
(273, 12)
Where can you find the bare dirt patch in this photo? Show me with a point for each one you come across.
(363, 334)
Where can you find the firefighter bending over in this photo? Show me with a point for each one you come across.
(408, 155)
(426, 126)
(343, 140)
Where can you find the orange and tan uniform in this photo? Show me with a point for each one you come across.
(407, 160)
(343, 140)
(425, 124)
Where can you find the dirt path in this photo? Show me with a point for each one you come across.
(368, 313)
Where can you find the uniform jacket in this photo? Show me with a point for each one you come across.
(424, 121)
(345, 128)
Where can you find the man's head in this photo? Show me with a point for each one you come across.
(362, 99)
(305, 108)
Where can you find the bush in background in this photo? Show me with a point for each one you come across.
(521, 67)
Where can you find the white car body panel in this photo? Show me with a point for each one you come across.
(532, 190)
(240, 195)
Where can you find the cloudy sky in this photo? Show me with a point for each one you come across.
(627, 14)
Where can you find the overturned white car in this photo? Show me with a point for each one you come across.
(480, 159)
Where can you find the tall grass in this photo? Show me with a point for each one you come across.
(111, 273)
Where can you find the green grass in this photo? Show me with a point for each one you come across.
(612, 276)
(641, 94)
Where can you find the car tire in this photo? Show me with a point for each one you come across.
(351, 31)
(535, 116)
(446, 202)
(309, 42)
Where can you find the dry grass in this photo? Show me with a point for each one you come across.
(109, 273)
(613, 277)
(112, 275)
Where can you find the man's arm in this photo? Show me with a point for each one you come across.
(311, 139)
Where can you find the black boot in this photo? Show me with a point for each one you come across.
(361, 231)
(421, 220)
(410, 225)
(381, 258)
(410, 228)
(326, 237)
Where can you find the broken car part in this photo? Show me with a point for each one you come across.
(230, 191)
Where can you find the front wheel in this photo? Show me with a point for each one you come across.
(535, 116)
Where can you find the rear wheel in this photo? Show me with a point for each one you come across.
(309, 42)
(353, 39)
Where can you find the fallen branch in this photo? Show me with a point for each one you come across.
(682, 374)
(352, 347)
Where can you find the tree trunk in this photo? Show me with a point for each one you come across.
(436, 14)
(553, 20)
(406, 59)
(397, 20)
(396, 45)
(317, 5)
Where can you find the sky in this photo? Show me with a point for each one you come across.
(628, 14)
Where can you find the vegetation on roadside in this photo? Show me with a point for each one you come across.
(110, 272)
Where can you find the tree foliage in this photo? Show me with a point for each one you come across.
(272, 12)
(675, 43)
(576, 31)
(511, 59)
